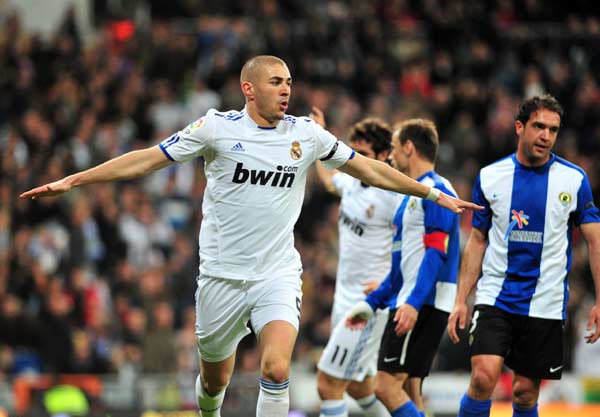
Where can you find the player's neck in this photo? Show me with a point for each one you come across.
(419, 167)
(258, 119)
(529, 162)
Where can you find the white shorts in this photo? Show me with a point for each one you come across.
(351, 355)
(224, 307)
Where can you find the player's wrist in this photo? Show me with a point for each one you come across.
(362, 309)
(433, 194)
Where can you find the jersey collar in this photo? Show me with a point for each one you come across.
(539, 168)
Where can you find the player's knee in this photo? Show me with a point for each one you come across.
(482, 382)
(524, 399)
(328, 389)
(524, 395)
(276, 370)
(382, 391)
(358, 390)
(215, 382)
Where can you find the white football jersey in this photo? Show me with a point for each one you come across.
(365, 235)
(255, 188)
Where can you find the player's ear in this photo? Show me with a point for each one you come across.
(518, 127)
(409, 146)
(248, 90)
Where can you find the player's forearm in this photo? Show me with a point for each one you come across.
(426, 278)
(594, 259)
(130, 165)
(381, 175)
(470, 268)
(591, 234)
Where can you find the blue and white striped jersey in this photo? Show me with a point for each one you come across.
(529, 215)
(425, 253)
(255, 188)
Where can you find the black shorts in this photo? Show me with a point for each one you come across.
(413, 352)
(530, 346)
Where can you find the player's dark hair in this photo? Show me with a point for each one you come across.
(423, 134)
(533, 104)
(374, 131)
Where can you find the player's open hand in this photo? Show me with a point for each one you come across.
(359, 316)
(405, 318)
(369, 286)
(594, 321)
(458, 317)
(456, 204)
(317, 115)
(48, 190)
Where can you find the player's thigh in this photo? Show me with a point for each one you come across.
(491, 331)
(352, 354)
(221, 316)
(537, 350)
(279, 298)
(413, 352)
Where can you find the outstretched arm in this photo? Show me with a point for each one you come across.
(470, 270)
(591, 234)
(381, 175)
(130, 165)
(324, 175)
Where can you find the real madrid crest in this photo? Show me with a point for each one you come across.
(296, 151)
(370, 211)
(565, 198)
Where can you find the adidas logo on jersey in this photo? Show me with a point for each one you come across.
(238, 148)
(283, 177)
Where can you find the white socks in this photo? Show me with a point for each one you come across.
(273, 399)
(209, 406)
(334, 408)
(372, 407)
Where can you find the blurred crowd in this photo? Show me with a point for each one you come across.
(103, 279)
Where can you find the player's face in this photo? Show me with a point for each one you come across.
(366, 149)
(272, 93)
(399, 156)
(537, 137)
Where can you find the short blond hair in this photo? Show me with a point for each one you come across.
(254, 65)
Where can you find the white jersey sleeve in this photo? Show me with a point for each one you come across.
(194, 140)
(341, 182)
(330, 151)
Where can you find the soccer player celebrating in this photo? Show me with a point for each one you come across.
(256, 165)
(349, 361)
(519, 254)
(421, 285)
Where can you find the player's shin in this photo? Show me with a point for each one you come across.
(273, 399)
(209, 405)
